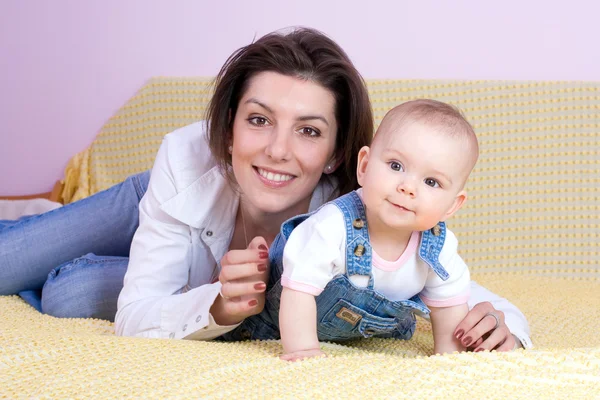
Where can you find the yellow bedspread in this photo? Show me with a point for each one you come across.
(529, 233)
(46, 357)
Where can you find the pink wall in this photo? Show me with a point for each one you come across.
(67, 65)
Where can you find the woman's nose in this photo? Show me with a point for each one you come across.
(279, 147)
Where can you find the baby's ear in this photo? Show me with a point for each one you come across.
(459, 201)
(363, 160)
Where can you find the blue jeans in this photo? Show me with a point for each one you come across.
(48, 259)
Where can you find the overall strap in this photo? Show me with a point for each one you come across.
(432, 242)
(358, 246)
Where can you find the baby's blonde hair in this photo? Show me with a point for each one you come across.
(448, 118)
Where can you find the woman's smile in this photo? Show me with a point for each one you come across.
(273, 178)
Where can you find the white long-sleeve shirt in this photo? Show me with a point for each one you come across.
(187, 217)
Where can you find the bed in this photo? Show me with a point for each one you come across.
(529, 233)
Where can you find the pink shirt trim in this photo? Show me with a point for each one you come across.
(389, 266)
(300, 287)
(452, 301)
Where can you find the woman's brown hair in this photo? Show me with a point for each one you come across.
(306, 54)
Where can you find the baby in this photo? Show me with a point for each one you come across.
(364, 264)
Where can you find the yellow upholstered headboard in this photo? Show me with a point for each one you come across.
(533, 197)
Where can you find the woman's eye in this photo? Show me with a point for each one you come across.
(431, 182)
(396, 166)
(258, 121)
(308, 131)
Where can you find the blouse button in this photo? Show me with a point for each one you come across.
(209, 233)
(184, 327)
(198, 318)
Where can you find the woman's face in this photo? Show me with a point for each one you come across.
(283, 138)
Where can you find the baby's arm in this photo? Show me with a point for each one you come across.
(444, 321)
(298, 325)
(447, 299)
(310, 257)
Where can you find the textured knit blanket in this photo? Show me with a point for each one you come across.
(529, 232)
(46, 357)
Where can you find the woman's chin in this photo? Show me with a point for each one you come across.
(280, 203)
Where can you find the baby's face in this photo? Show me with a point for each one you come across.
(414, 176)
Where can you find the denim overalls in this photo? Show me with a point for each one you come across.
(345, 311)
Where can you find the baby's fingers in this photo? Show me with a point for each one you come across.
(302, 354)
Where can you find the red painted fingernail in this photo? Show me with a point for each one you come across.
(262, 267)
(263, 254)
(467, 341)
(459, 334)
(263, 247)
(253, 303)
(260, 286)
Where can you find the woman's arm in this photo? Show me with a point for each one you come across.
(477, 325)
(151, 303)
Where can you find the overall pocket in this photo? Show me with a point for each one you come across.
(345, 321)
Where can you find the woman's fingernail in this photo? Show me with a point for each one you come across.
(459, 334)
(477, 350)
(262, 267)
(263, 254)
(263, 247)
(253, 303)
(467, 341)
(260, 286)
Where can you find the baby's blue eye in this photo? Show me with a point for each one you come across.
(396, 166)
(431, 182)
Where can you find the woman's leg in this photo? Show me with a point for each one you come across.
(101, 224)
(87, 287)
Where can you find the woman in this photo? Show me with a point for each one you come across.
(287, 118)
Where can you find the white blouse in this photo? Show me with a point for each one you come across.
(187, 217)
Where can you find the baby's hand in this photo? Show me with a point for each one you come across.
(302, 354)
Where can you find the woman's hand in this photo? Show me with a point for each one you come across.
(244, 277)
(479, 331)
